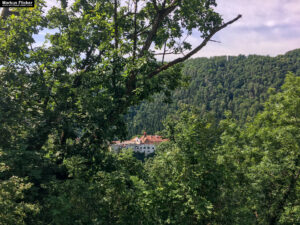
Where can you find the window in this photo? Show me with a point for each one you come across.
(144, 147)
(148, 147)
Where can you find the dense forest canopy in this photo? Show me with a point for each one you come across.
(63, 102)
(236, 83)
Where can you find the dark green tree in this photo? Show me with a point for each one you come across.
(275, 169)
(236, 83)
(63, 102)
(185, 179)
(262, 161)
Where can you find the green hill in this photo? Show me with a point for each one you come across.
(236, 83)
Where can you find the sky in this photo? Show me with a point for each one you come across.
(267, 27)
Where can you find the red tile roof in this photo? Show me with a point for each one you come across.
(152, 139)
(145, 139)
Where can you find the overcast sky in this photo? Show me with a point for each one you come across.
(268, 27)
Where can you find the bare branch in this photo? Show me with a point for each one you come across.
(168, 53)
(163, 57)
(195, 50)
(215, 41)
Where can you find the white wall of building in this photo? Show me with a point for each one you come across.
(141, 148)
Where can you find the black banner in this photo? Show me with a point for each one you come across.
(16, 3)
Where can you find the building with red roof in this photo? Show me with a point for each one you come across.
(145, 144)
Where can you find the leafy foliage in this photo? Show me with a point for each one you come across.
(184, 175)
(236, 83)
(14, 208)
(263, 159)
(63, 101)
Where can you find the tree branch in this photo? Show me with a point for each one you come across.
(164, 53)
(116, 23)
(135, 30)
(161, 14)
(155, 5)
(195, 50)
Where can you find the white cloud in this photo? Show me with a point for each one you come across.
(268, 27)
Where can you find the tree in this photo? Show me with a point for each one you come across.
(276, 171)
(66, 98)
(185, 179)
(13, 208)
(242, 87)
(262, 160)
(99, 56)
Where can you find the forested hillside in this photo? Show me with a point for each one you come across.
(236, 83)
(63, 101)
